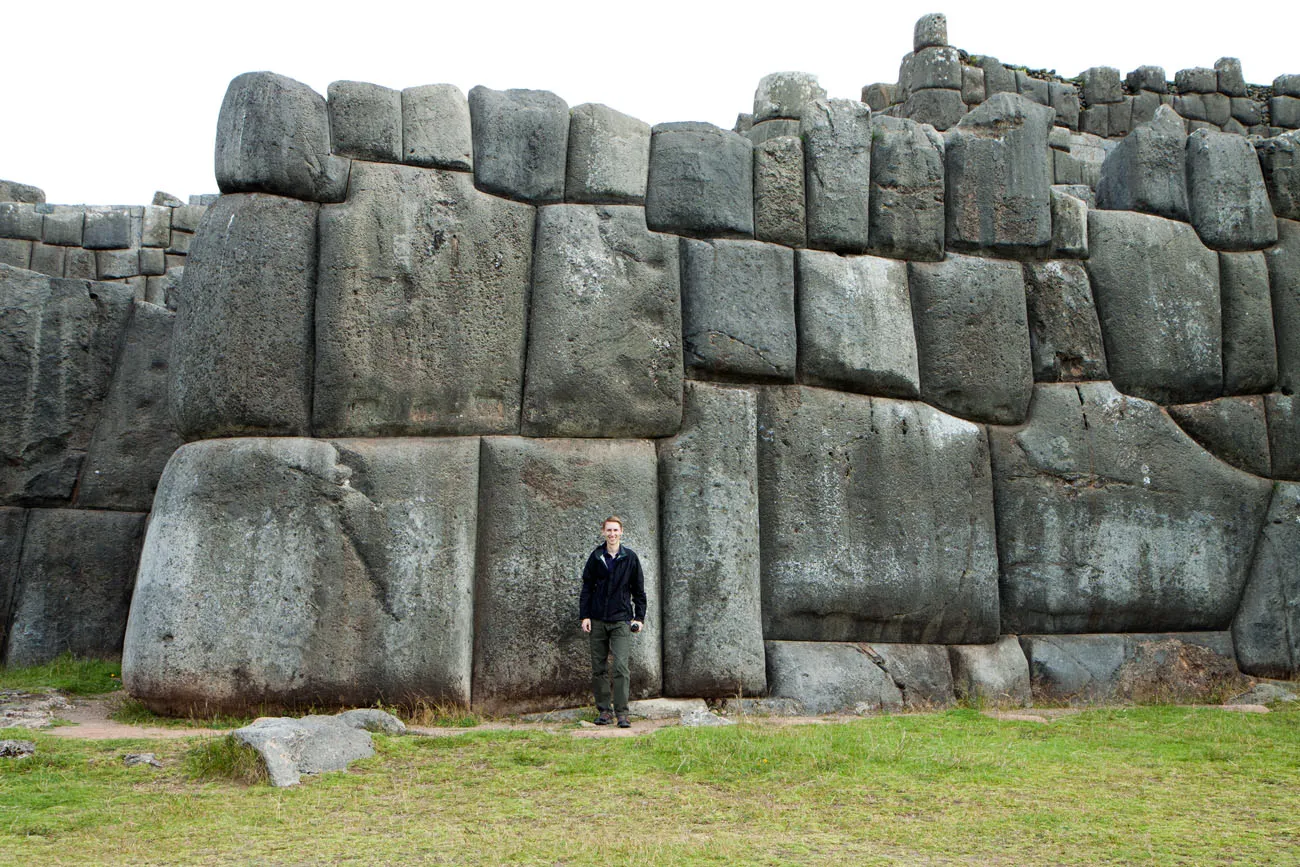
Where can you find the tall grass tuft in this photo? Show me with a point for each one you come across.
(224, 758)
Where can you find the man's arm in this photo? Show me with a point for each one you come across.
(584, 598)
(636, 583)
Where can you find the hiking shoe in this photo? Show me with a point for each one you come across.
(623, 721)
(604, 718)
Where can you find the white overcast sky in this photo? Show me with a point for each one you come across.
(103, 103)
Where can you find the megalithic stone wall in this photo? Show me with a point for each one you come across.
(898, 401)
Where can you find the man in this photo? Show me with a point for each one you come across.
(612, 607)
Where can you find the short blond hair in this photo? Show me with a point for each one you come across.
(615, 518)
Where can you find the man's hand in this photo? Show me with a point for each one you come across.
(637, 625)
(586, 624)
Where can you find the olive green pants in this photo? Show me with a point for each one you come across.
(610, 638)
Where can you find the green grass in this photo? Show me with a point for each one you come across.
(1147, 785)
(133, 712)
(224, 758)
(66, 674)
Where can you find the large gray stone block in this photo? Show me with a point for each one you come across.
(541, 504)
(941, 108)
(999, 177)
(1157, 293)
(931, 29)
(921, 672)
(1233, 429)
(134, 436)
(1104, 667)
(605, 326)
(420, 307)
(1249, 344)
(701, 181)
(1284, 111)
(973, 347)
(856, 328)
(1065, 342)
(60, 342)
(608, 157)
(1283, 414)
(521, 138)
(1229, 75)
(365, 121)
(13, 524)
(779, 199)
(1110, 519)
(934, 66)
(877, 521)
(738, 313)
(1149, 78)
(1266, 630)
(74, 584)
(830, 677)
(995, 674)
(907, 190)
(837, 167)
(63, 224)
(1145, 172)
(1283, 262)
(106, 228)
(436, 128)
(12, 191)
(1279, 160)
(1069, 222)
(244, 327)
(1227, 199)
(273, 136)
(360, 553)
(785, 95)
(21, 221)
(708, 494)
(1101, 84)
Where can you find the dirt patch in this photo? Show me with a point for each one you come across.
(90, 721)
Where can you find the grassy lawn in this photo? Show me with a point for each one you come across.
(1150, 785)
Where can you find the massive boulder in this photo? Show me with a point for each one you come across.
(877, 520)
(856, 329)
(365, 121)
(605, 326)
(273, 136)
(1227, 199)
(830, 677)
(708, 492)
(1145, 171)
(1157, 292)
(837, 170)
(436, 128)
(61, 338)
(780, 213)
(420, 307)
(244, 327)
(521, 139)
(1111, 520)
(1065, 342)
(907, 189)
(541, 507)
(73, 584)
(999, 177)
(303, 572)
(973, 346)
(701, 181)
(1266, 629)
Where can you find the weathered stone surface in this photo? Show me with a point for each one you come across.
(1095, 120)
(1233, 429)
(837, 166)
(62, 224)
(608, 157)
(20, 220)
(79, 264)
(935, 66)
(361, 552)
(905, 205)
(779, 214)
(931, 29)
(48, 259)
(1218, 108)
(785, 95)
(13, 524)
(605, 326)
(738, 313)
(1145, 172)
(74, 584)
(770, 129)
(244, 327)
(1192, 107)
(12, 191)
(1229, 77)
(999, 176)
(973, 347)
(1249, 346)
(436, 128)
(18, 254)
(1157, 293)
(1283, 414)
(1034, 89)
(541, 503)
(1144, 108)
(117, 264)
(1065, 342)
(1247, 111)
(1101, 85)
(856, 332)
(1283, 262)
(134, 436)
(61, 339)
(372, 719)
(521, 138)
(1069, 223)
(829, 677)
(273, 136)
(310, 745)
(365, 121)
(712, 617)
(1105, 667)
(1149, 78)
(940, 108)
(997, 78)
(877, 521)
(1284, 111)
(1279, 161)
(996, 674)
(1110, 519)
(972, 86)
(420, 307)
(880, 95)
(155, 227)
(701, 181)
(106, 228)
(1198, 79)
(1287, 85)
(1227, 199)
(921, 672)
(1266, 630)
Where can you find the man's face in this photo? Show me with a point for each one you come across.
(613, 533)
